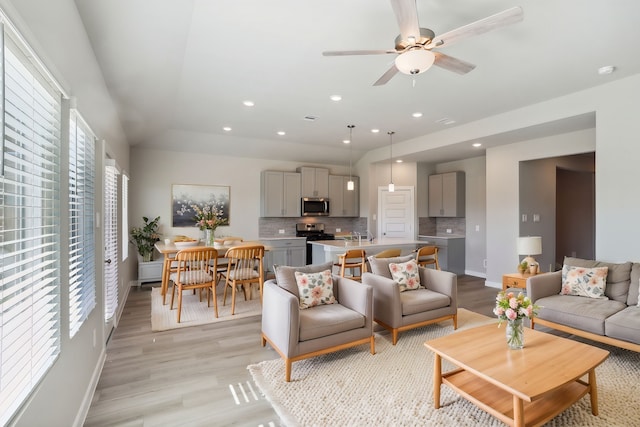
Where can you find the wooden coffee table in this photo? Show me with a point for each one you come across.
(525, 387)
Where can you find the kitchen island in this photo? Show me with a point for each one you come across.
(328, 250)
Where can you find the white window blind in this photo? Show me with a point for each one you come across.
(111, 241)
(125, 217)
(82, 272)
(30, 233)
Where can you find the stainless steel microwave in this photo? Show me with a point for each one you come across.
(314, 206)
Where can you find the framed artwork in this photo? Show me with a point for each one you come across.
(184, 196)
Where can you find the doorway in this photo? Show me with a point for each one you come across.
(396, 212)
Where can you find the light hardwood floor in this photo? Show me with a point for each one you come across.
(197, 376)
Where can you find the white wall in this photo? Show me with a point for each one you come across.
(154, 171)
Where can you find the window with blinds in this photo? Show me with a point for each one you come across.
(30, 233)
(82, 272)
(125, 217)
(110, 240)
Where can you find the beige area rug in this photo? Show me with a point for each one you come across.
(196, 313)
(394, 387)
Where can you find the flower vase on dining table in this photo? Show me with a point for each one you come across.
(209, 237)
(515, 334)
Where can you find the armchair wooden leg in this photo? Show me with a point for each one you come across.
(287, 370)
(394, 335)
(263, 340)
(373, 344)
(455, 321)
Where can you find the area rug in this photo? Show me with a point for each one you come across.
(196, 313)
(394, 387)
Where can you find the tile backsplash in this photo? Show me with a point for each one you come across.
(429, 226)
(270, 227)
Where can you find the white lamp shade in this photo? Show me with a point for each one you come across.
(415, 61)
(530, 245)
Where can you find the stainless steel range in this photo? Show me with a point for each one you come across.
(313, 232)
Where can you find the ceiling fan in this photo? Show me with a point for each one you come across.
(414, 46)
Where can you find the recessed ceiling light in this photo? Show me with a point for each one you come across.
(606, 70)
(248, 103)
(226, 129)
(399, 161)
(346, 141)
(375, 130)
(335, 98)
(281, 133)
(477, 144)
(417, 114)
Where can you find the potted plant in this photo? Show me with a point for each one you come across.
(145, 237)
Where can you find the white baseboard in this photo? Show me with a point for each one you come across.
(91, 389)
(475, 273)
(490, 284)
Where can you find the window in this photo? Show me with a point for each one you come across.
(82, 273)
(110, 240)
(30, 233)
(125, 217)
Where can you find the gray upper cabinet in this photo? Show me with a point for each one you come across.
(343, 202)
(447, 195)
(315, 181)
(280, 195)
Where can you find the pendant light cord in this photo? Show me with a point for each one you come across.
(390, 133)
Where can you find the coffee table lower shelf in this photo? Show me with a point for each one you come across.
(501, 404)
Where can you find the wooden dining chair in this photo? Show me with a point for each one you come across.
(389, 253)
(427, 255)
(246, 266)
(196, 269)
(354, 260)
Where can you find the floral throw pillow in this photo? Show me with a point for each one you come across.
(406, 275)
(584, 282)
(315, 289)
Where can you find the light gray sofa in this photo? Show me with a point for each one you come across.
(299, 334)
(614, 321)
(400, 311)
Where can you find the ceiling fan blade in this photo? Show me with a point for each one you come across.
(388, 75)
(356, 52)
(407, 16)
(506, 17)
(452, 64)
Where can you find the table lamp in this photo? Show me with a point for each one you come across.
(530, 245)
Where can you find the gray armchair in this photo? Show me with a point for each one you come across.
(299, 334)
(400, 311)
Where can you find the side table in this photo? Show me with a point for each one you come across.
(515, 280)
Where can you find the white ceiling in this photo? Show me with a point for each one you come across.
(179, 70)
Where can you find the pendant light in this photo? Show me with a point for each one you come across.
(392, 188)
(350, 184)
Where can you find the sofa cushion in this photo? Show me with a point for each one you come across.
(584, 282)
(380, 266)
(624, 325)
(618, 276)
(286, 276)
(406, 275)
(315, 289)
(587, 314)
(422, 300)
(325, 320)
(634, 288)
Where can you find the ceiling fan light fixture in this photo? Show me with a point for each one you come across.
(415, 61)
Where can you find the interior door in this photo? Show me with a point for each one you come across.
(110, 246)
(396, 212)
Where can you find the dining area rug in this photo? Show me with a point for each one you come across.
(394, 387)
(196, 312)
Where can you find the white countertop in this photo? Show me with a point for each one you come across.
(365, 244)
(441, 236)
(282, 238)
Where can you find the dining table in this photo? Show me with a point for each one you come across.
(169, 251)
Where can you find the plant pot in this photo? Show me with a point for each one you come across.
(147, 257)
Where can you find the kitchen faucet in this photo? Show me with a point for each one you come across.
(355, 233)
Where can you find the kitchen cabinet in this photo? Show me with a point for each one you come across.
(451, 253)
(280, 194)
(315, 181)
(446, 194)
(284, 251)
(343, 202)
